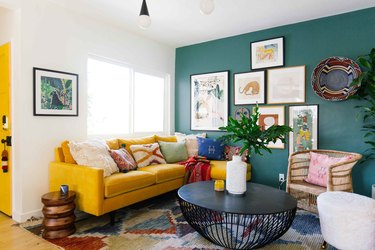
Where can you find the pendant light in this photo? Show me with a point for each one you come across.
(144, 20)
(207, 6)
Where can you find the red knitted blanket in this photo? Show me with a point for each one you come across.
(197, 168)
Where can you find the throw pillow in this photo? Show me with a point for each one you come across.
(147, 154)
(135, 141)
(173, 151)
(229, 151)
(123, 159)
(319, 164)
(93, 153)
(66, 152)
(191, 142)
(210, 148)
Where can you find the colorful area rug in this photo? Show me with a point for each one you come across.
(158, 224)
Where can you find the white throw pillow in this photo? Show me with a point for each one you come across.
(93, 153)
(191, 142)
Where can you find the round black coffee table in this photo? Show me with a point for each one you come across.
(250, 221)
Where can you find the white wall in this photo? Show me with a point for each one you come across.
(58, 39)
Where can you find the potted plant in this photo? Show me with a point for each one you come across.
(366, 91)
(254, 139)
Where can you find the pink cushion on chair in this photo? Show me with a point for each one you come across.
(318, 168)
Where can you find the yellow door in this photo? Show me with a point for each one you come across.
(5, 130)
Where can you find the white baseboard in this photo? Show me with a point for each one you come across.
(22, 217)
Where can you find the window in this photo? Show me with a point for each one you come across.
(123, 100)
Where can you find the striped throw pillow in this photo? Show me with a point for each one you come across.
(147, 154)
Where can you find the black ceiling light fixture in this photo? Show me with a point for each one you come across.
(144, 20)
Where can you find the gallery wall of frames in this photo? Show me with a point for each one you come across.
(299, 75)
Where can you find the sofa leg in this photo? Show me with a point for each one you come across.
(324, 245)
(112, 217)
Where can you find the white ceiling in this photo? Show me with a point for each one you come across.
(179, 22)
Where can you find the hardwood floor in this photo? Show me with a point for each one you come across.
(13, 237)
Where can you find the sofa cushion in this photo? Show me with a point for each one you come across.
(170, 138)
(191, 142)
(165, 172)
(219, 170)
(173, 151)
(135, 141)
(319, 163)
(125, 182)
(68, 158)
(123, 159)
(112, 143)
(147, 154)
(212, 149)
(230, 151)
(93, 153)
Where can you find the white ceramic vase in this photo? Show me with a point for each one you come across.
(236, 176)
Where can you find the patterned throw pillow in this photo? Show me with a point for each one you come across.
(93, 153)
(318, 168)
(123, 159)
(191, 142)
(210, 148)
(147, 154)
(229, 151)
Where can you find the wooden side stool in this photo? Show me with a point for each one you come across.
(58, 214)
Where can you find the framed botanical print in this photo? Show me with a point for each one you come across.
(209, 100)
(267, 53)
(249, 88)
(272, 115)
(304, 122)
(55, 93)
(286, 85)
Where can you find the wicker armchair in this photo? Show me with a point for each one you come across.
(339, 177)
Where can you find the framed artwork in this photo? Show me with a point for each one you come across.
(286, 85)
(55, 93)
(272, 115)
(241, 111)
(249, 88)
(209, 100)
(304, 122)
(267, 53)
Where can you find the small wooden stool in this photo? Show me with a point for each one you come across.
(58, 214)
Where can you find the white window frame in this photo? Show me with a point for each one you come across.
(167, 99)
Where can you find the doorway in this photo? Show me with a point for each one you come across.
(5, 130)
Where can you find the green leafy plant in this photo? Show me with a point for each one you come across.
(366, 84)
(247, 131)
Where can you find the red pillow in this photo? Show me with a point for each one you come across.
(319, 164)
(229, 151)
(123, 159)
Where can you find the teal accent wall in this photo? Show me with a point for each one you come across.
(306, 43)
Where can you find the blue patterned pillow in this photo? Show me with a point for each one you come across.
(210, 148)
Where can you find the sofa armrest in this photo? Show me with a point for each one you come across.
(87, 182)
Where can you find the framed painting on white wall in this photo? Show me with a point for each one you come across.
(55, 93)
(209, 100)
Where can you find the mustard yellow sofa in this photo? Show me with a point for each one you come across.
(98, 195)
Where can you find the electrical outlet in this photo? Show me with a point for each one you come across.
(281, 177)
